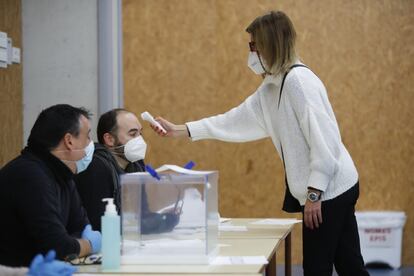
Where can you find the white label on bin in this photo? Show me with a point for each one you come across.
(377, 237)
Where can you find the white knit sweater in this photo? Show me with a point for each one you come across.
(304, 124)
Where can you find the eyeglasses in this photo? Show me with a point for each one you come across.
(252, 46)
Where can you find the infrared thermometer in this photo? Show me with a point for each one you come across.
(146, 116)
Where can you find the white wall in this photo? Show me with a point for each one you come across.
(60, 57)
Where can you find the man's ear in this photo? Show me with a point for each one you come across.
(109, 140)
(68, 141)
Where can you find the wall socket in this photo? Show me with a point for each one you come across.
(9, 50)
(3, 40)
(3, 50)
(3, 57)
(16, 55)
(8, 53)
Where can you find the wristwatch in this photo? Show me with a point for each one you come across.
(313, 196)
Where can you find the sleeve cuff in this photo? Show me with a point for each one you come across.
(197, 130)
(318, 181)
(188, 131)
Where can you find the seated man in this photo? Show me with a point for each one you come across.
(121, 149)
(39, 203)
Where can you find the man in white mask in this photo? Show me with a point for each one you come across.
(121, 149)
(39, 203)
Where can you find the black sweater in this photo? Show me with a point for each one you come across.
(101, 180)
(40, 208)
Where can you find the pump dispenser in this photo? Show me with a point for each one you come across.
(111, 237)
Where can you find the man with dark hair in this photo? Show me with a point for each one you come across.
(39, 202)
(121, 149)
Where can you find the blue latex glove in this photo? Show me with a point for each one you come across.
(94, 238)
(48, 266)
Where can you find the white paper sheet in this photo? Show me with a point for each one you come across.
(179, 169)
(232, 228)
(239, 260)
(222, 220)
(276, 221)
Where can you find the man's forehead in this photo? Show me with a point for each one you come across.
(128, 120)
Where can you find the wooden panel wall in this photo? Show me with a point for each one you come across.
(186, 59)
(11, 108)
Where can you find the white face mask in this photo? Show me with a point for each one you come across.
(135, 149)
(254, 63)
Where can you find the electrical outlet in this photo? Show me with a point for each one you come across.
(9, 50)
(16, 55)
(3, 40)
(3, 55)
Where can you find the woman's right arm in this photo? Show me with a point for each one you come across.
(241, 124)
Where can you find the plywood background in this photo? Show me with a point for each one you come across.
(186, 59)
(11, 109)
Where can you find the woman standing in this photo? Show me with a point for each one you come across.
(291, 107)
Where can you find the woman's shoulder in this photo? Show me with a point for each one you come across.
(304, 88)
(303, 75)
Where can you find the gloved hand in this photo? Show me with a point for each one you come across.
(48, 266)
(152, 223)
(94, 238)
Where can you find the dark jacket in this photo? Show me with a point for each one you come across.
(40, 208)
(102, 180)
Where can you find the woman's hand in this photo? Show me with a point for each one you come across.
(173, 130)
(312, 215)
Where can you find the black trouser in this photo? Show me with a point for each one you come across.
(336, 241)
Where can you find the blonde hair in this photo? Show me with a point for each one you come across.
(274, 36)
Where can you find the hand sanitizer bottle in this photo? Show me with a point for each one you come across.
(111, 237)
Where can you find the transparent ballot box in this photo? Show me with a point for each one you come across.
(169, 218)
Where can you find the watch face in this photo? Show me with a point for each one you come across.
(313, 197)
